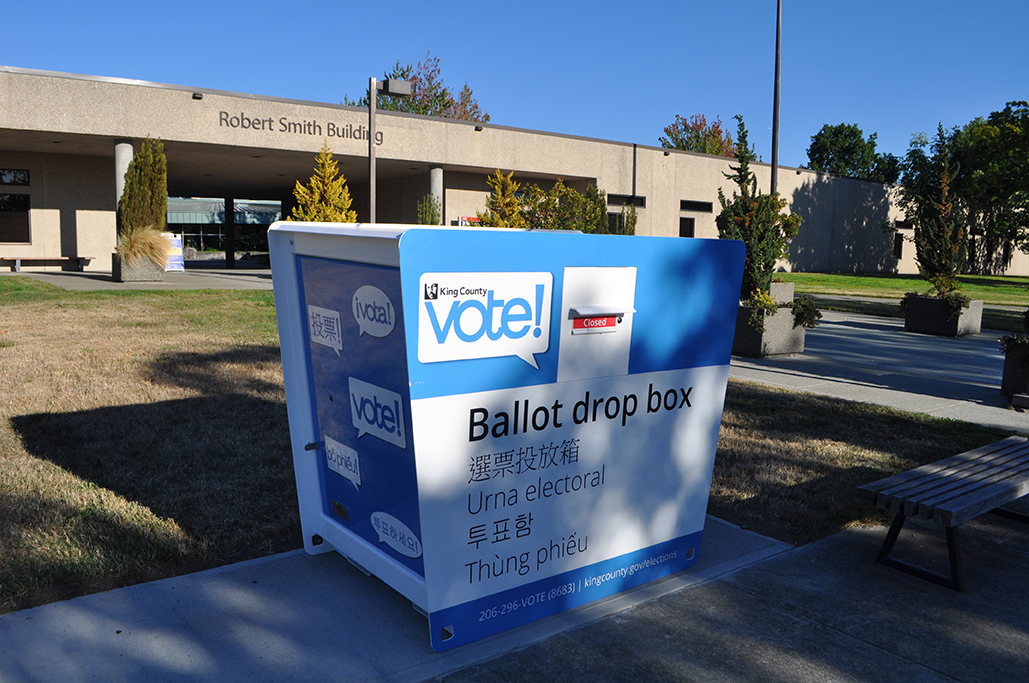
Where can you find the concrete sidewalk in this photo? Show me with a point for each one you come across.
(873, 360)
(752, 609)
(207, 274)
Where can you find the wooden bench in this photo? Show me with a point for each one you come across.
(16, 261)
(951, 492)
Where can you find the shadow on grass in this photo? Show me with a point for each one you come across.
(219, 465)
(101, 546)
(789, 464)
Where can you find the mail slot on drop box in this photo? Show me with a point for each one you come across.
(500, 424)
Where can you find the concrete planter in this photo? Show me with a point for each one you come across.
(781, 292)
(140, 270)
(1016, 371)
(929, 315)
(779, 338)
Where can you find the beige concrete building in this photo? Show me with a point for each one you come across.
(65, 141)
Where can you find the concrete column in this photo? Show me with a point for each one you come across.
(122, 157)
(230, 232)
(436, 190)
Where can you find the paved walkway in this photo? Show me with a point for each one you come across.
(752, 609)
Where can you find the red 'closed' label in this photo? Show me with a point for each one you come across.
(594, 323)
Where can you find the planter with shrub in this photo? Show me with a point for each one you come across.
(1016, 361)
(142, 251)
(941, 242)
(769, 322)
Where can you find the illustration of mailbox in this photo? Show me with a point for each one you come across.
(500, 424)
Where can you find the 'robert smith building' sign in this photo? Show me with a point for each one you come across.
(303, 127)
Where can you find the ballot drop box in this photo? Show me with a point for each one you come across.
(500, 424)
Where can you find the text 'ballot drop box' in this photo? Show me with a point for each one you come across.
(500, 424)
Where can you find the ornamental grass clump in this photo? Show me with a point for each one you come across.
(143, 207)
(758, 221)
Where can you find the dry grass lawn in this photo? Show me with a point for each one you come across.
(140, 436)
(144, 434)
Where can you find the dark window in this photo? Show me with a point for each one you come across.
(14, 218)
(697, 207)
(687, 226)
(14, 176)
(898, 246)
(626, 199)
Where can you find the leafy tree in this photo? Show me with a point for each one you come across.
(844, 151)
(429, 96)
(429, 211)
(696, 135)
(927, 200)
(560, 208)
(993, 182)
(503, 207)
(565, 208)
(757, 220)
(143, 206)
(325, 198)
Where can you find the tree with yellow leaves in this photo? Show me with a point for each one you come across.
(325, 198)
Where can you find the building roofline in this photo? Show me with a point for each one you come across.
(310, 103)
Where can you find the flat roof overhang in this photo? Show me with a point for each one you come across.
(59, 109)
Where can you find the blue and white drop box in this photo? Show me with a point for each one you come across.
(500, 424)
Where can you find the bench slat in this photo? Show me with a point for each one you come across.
(943, 485)
(958, 488)
(928, 474)
(966, 481)
(970, 506)
(897, 480)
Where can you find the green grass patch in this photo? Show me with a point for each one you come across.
(992, 289)
(144, 434)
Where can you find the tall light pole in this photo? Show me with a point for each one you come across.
(390, 86)
(775, 99)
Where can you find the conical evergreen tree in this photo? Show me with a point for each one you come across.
(503, 208)
(757, 220)
(143, 206)
(325, 198)
(144, 202)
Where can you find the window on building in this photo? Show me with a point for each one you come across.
(898, 246)
(696, 207)
(626, 199)
(14, 218)
(14, 176)
(687, 226)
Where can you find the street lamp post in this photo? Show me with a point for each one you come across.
(775, 99)
(390, 86)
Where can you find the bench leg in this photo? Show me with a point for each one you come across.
(954, 581)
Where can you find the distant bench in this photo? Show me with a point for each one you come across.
(16, 262)
(951, 492)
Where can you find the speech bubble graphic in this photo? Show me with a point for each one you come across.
(343, 460)
(324, 327)
(377, 411)
(396, 534)
(484, 315)
(373, 311)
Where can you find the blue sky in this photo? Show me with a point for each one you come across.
(611, 70)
